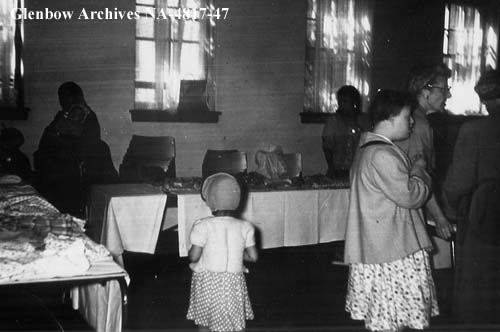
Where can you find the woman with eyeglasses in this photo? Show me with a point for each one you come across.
(429, 86)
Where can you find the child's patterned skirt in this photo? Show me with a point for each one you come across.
(391, 296)
(219, 301)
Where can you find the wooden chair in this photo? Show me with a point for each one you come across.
(148, 159)
(293, 163)
(229, 161)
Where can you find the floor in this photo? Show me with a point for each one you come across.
(292, 289)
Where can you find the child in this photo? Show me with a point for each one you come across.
(390, 285)
(219, 299)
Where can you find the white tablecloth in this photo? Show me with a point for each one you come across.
(126, 217)
(98, 292)
(282, 218)
(130, 216)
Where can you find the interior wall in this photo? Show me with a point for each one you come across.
(260, 74)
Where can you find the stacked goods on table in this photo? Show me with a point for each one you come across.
(37, 241)
(256, 182)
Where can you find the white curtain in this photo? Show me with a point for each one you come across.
(338, 51)
(8, 53)
(462, 48)
(168, 58)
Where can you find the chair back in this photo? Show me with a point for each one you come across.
(229, 161)
(148, 156)
(293, 162)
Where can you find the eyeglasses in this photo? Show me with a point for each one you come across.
(446, 89)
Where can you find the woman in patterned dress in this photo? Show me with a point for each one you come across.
(219, 298)
(390, 285)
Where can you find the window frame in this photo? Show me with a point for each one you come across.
(139, 114)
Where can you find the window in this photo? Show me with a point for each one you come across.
(174, 62)
(11, 65)
(338, 51)
(469, 45)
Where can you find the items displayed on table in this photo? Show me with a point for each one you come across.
(37, 241)
(257, 182)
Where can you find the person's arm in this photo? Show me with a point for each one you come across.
(409, 189)
(444, 228)
(194, 253)
(198, 239)
(250, 254)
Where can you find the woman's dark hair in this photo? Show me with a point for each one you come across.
(71, 90)
(351, 92)
(389, 103)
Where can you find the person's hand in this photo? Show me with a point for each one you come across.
(418, 161)
(444, 229)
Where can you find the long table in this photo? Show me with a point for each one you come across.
(130, 216)
(282, 218)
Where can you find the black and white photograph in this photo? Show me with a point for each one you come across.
(249, 165)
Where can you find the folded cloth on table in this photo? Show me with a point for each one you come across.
(271, 163)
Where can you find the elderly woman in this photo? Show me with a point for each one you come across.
(429, 86)
(342, 131)
(472, 190)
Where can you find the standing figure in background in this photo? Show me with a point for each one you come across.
(219, 298)
(429, 85)
(472, 192)
(390, 283)
(70, 154)
(12, 160)
(342, 131)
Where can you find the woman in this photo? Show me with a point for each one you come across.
(390, 285)
(71, 154)
(342, 131)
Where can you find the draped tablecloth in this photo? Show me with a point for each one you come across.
(130, 216)
(126, 217)
(282, 218)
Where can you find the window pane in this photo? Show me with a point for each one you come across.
(193, 3)
(191, 68)
(173, 3)
(146, 2)
(144, 96)
(191, 31)
(145, 61)
(311, 31)
(145, 27)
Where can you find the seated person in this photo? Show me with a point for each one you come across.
(342, 131)
(12, 160)
(68, 150)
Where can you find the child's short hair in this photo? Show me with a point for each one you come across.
(221, 192)
(389, 103)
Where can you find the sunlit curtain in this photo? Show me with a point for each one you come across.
(10, 54)
(170, 50)
(462, 49)
(338, 51)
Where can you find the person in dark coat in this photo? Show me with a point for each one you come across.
(472, 192)
(71, 154)
(12, 160)
(342, 130)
